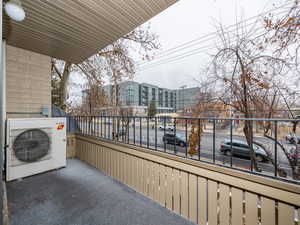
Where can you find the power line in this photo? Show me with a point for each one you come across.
(197, 40)
(186, 54)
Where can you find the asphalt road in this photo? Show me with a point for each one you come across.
(148, 137)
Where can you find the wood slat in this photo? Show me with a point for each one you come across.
(202, 201)
(118, 166)
(267, 211)
(104, 160)
(176, 191)
(193, 198)
(162, 186)
(129, 167)
(212, 202)
(286, 214)
(113, 160)
(169, 188)
(151, 185)
(140, 175)
(110, 163)
(237, 206)
(97, 157)
(156, 182)
(251, 209)
(224, 204)
(184, 194)
(127, 170)
(145, 177)
(135, 175)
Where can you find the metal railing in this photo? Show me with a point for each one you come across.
(219, 141)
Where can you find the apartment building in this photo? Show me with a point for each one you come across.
(136, 97)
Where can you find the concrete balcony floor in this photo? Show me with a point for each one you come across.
(82, 195)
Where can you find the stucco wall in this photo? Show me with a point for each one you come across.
(28, 82)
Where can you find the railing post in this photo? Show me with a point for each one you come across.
(128, 129)
(105, 124)
(275, 149)
(165, 142)
(231, 143)
(98, 130)
(155, 133)
(101, 126)
(186, 139)
(251, 146)
(199, 137)
(214, 141)
(134, 130)
(148, 132)
(175, 151)
(140, 131)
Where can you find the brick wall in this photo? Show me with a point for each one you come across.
(28, 82)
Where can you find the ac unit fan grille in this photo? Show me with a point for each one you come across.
(31, 145)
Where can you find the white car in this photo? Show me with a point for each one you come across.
(170, 127)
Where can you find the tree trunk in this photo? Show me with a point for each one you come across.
(63, 86)
(248, 131)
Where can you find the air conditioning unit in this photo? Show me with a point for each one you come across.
(34, 145)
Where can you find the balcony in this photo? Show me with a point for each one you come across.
(127, 179)
(81, 194)
(133, 178)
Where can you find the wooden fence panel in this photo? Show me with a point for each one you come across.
(156, 182)
(212, 202)
(176, 190)
(224, 204)
(286, 214)
(251, 208)
(184, 194)
(267, 211)
(237, 206)
(169, 188)
(202, 201)
(193, 198)
(162, 190)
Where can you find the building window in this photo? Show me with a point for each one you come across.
(145, 94)
(166, 99)
(140, 95)
(153, 94)
(160, 97)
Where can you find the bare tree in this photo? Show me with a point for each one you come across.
(243, 70)
(115, 62)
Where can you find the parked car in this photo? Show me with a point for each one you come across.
(170, 127)
(121, 132)
(241, 148)
(178, 139)
(291, 138)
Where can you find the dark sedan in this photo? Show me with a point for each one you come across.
(241, 148)
(178, 139)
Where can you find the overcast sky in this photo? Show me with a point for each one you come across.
(181, 23)
(186, 21)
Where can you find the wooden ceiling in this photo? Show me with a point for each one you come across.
(74, 30)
